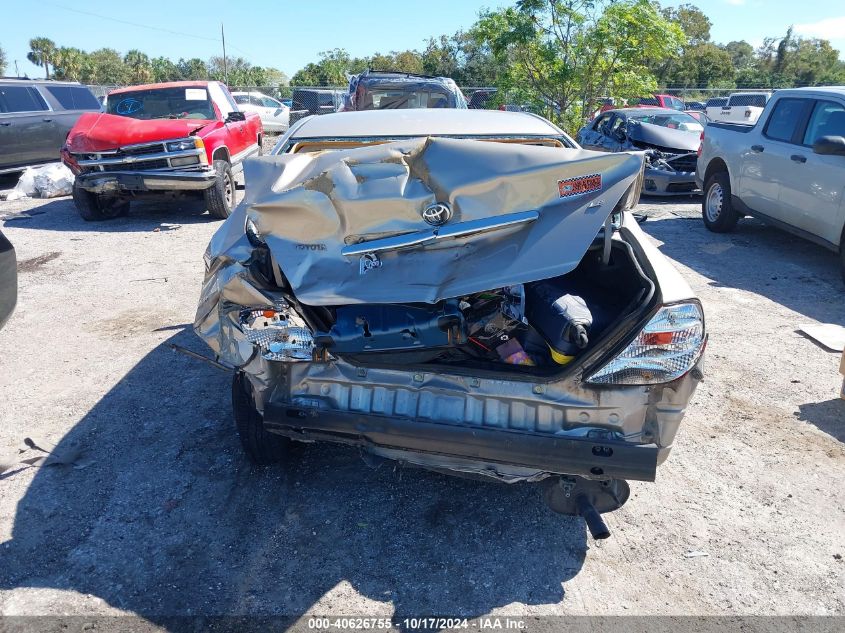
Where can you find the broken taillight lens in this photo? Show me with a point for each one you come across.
(280, 333)
(667, 348)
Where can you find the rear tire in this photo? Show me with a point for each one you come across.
(220, 197)
(716, 209)
(95, 207)
(261, 447)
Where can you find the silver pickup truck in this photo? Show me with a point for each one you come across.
(787, 170)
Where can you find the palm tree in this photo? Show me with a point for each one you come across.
(138, 64)
(42, 51)
(68, 63)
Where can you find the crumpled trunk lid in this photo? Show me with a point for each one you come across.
(347, 226)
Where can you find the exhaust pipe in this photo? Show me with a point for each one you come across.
(598, 528)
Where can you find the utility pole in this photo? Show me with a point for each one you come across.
(225, 68)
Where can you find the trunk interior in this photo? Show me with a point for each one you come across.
(539, 328)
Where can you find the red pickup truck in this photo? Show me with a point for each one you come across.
(177, 138)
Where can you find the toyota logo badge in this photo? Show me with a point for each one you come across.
(437, 214)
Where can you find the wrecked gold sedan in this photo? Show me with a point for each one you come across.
(459, 290)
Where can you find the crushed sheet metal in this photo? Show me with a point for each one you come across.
(333, 199)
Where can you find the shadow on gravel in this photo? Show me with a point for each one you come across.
(169, 519)
(61, 215)
(827, 416)
(788, 270)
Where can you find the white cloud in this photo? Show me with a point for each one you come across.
(827, 29)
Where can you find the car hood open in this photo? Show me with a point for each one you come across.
(346, 226)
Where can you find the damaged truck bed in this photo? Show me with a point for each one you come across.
(469, 296)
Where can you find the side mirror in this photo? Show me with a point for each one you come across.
(235, 116)
(830, 145)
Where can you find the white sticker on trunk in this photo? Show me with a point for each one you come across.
(195, 94)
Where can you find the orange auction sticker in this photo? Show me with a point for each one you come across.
(579, 185)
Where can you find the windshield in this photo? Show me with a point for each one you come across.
(674, 121)
(162, 103)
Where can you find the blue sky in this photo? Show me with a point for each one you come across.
(289, 34)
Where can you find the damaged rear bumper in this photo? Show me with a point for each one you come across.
(468, 448)
(659, 182)
(117, 182)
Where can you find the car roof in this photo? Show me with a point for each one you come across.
(650, 110)
(827, 90)
(422, 122)
(167, 84)
(46, 82)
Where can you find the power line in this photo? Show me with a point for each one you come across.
(144, 26)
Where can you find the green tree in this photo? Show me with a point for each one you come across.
(276, 77)
(2, 61)
(742, 54)
(164, 69)
(138, 67)
(105, 66)
(567, 54)
(69, 63)
(332, 69)
(694, 23)
(41, 53)
(465, 57)
(193, 68)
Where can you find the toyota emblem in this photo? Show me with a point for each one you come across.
(437, 214)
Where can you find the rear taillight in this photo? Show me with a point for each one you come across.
(667, 348)
(701, 143)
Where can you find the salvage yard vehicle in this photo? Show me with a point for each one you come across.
(309, 101)
(787, 170)
(740, 107)
(275, 116)
(381, 90)
(8, 279)
(183, 138)
(670, 139)
(35, 118)
(459, 290)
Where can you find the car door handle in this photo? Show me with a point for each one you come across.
(798, 158)
(757, 148)
(46, 120)
(5, 123)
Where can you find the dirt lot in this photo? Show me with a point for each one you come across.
(159, 514)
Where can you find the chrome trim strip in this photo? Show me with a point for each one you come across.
(455, 231)
(138, 158)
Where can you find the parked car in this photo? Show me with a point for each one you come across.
(461, 290)
(8, 279)
(378, 90)
(308, 101)
(698, 115)
(787, 170)
(655, 101)
(714, 102)
(741, 107)
(694, 105)
(670, 138)
(179, 138)
(481, 99)
(35, 118)
(275, 116)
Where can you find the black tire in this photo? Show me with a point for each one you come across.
(220, 197)
(95, 207)
(261, 447)
(716, 209)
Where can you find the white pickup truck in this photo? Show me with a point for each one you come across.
(742, 107)
(787, 170)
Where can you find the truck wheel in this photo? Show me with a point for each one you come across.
(220, 197)
(716, 209)
(94, 207)
(261, 447)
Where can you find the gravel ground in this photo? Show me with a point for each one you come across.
(159, 514)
